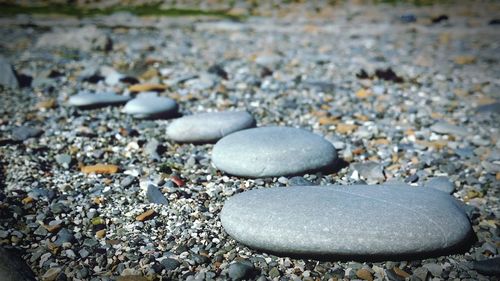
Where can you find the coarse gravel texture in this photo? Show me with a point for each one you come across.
(369, 80)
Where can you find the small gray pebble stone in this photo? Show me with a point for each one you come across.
(151, 106)
(90, 100)
(209, 127)
(155, 196)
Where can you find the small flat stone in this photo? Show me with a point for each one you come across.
(299, 181)
(421, 273)
(371, 171)
(273, 151)
(335, 221)
(8, 78)
(155, 196)
(23, 133)
(447, 128)
(209, 127)
(89, 100)
(441, 183)
(434, 268)
(151, 106)
(51, 274)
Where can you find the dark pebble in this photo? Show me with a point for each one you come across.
(170, 264)
(489, 267)
(241, 270)
(218, 70)
(440, 18)
(411, 179)
(408, 18)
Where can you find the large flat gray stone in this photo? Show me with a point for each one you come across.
(209, 127)
(151, 106)
(358, 221)
(90, 100)
(272, 151)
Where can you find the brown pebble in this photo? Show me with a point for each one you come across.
(177, 181)
(343, 128)
(101, 233)
(146, 215)
(100, 169)
(364, 274)
(401, 272)
(46, 104)
(27, 200)
(52, 228)
(147, 87)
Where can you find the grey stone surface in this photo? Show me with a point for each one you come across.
(358, 221)
(151, 106)
(13, 267)
(442, 127)
(209, 127)
(90, 100)
(7, 77)
(441, 183)
(272, 151)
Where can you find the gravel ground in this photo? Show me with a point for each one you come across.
(371, 81)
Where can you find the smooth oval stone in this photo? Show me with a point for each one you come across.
(209, 127)
(89, 100)
(151, 106)
(272, 151)
(447, 128)
(358, 221)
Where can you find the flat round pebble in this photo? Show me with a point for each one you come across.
(86, 99)
(150, 106)
(272, 151)
(441, 183)
(348, 221)
(209, 127)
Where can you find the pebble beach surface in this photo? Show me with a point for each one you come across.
(376, 152)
